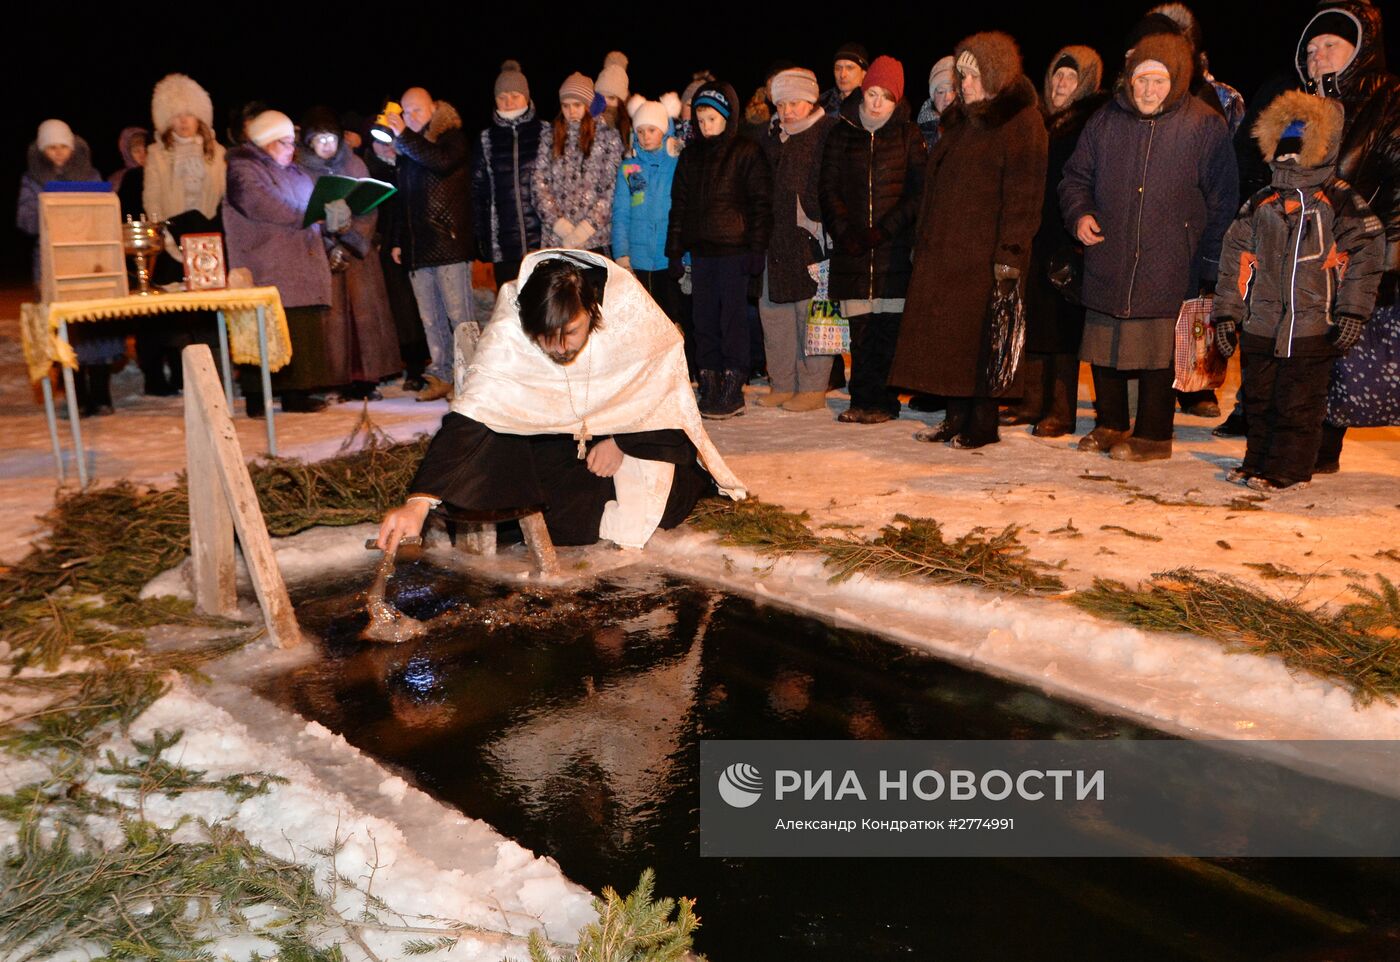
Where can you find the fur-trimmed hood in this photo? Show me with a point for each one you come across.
(1368, 60)
(995, 111)
(176, 94)
(1322, 130)
(445, 118)
(1172, 51)
(998, 59)
(79, 166)
(1087, 63)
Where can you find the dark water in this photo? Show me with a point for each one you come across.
(572, 724)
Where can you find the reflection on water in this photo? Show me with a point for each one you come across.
(571, 722)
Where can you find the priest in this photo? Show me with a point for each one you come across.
(576, 405)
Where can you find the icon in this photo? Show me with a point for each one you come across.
(740, 785)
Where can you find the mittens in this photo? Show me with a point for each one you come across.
(1225, 328)
(1346, 331)
(337, 216)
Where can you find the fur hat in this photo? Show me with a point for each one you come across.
(1083, 61)
(886, 73)
(54, 133)
(268, 126)
(511, 80)
(612, 82)
(654, 113)
(1321, 120)
(1172, 51)
(997, 58)
(176, 94)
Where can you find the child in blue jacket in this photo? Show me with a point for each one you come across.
(642, 199)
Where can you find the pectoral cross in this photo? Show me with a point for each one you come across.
(583, 437)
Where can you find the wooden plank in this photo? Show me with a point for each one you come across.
(541, 546)
(211, 523)
(240, 497)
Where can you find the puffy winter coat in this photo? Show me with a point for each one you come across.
(507, 223)
(1305, 249)
(435, 180)
(1163, 189)
(797, 210)
(1369, 159)
(578, 188)
(263, 210)
(872, 180)
(642, 203)
(721, 198)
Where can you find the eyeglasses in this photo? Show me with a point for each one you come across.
(324, 139)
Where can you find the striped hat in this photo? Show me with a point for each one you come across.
(576, 87)
(710, 95)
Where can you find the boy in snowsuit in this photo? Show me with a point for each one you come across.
(1298, 274)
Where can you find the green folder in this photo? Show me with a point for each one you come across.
(363, 194)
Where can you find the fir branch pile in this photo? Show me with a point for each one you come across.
(87, 870)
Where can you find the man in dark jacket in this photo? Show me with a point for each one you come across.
(435, 235)
(848, 68)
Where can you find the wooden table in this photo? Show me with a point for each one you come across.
(252, 329)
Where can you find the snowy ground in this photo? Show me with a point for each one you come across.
(1073, 508)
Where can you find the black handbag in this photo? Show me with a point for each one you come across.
(1064, 268)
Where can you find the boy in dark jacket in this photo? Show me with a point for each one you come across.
(721, 214)
(1299, 272)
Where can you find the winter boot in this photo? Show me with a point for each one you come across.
(806, 401)
(775, 399)
(708, 393)
(1031, 407)
(99, 390)
(1141, 449)
(729, 400)
(1102, 439)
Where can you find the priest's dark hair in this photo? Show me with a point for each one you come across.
(556, 291)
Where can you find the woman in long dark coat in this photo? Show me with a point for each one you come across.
(981, 208)
(1054, 321)
(263, 210)
(361, 342)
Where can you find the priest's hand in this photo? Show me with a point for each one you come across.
(604, 458)
(405, 521)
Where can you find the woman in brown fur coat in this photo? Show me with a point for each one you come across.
(981, 207)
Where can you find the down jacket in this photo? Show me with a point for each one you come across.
(721, 198)
(1306, 248)
(503, 199)
(435, 180)
(642, 203)
(1163, 189)
(1369, 157)
(872, 180)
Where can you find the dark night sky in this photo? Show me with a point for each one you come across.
(95, 68)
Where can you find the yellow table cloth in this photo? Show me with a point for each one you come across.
(42, 345)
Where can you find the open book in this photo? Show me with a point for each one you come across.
(363, 194)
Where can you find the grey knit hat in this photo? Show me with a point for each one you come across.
(511, 81)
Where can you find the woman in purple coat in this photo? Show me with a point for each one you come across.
(266, 200)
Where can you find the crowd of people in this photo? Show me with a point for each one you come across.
(1100, 200)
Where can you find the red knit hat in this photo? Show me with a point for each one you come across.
(886, 73)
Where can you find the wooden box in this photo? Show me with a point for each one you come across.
(81, 255)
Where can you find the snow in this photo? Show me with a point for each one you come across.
(436, 861)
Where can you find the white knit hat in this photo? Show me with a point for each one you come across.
(52, 132)
(654, 113)
(176, 94)
(268, 126)
(612, 82)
